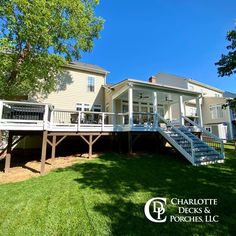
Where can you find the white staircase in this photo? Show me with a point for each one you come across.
(205, 150)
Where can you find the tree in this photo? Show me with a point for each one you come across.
(37, 37)
(227, 63)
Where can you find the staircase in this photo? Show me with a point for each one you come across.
(207, 150)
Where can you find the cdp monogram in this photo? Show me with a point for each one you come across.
(155, 206)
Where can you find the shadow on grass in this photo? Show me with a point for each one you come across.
(130, 182)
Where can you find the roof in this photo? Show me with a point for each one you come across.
(205, 85)
(87, 67)
(158, 86)
(193, 81)
(228, 94)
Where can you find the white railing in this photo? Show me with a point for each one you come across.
(209, 138)
(169, 126)
(24, 115)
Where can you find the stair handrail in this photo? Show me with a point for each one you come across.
(206, 132)
(179, 132)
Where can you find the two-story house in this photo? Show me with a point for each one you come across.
(85, 106)
(214, 118)
(80, 88)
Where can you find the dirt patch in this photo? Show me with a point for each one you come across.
(32, 168)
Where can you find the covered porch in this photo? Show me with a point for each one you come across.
(144, 104)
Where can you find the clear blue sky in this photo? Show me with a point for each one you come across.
(181, 37)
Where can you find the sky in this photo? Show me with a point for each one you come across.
(180, 37)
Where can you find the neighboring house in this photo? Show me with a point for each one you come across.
(214, 118)
(232, 111)
(80, 88)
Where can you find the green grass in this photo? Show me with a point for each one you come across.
(106, 196)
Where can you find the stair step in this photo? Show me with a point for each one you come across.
(202, 151)
(202, 154)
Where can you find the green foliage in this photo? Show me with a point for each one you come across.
(227, 63)
(37, 37)
(231, 103)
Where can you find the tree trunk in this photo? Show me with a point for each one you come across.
(15, 71)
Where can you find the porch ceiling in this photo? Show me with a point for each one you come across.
(146, 96)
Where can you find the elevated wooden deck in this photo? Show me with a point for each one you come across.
(25, 118)
(55, 125)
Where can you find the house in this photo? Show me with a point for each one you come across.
(80, 88)
(85, 106)
(214, 118)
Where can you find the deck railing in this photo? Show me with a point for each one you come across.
(209, 138)
(188, 141)
(24, 115)
(22, 111)
(143, 118)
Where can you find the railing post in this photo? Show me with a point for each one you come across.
(79, 119)
(45, 117)
(123, 119)
(1, 109)
(51, 118)
(103, 119)
(193, 151)
(222, 148)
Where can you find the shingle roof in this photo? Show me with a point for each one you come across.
(87, 67)
(228, 94)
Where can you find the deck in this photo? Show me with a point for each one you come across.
(38, 117)
(24, 118)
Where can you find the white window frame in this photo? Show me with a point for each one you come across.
(82, 107)
(216, 112)
(91, 84)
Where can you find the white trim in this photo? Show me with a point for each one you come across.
(130, 106)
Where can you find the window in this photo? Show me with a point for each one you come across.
(91, 84)
(208, 129)
(82, 107)
(217, 95)
(216, 112)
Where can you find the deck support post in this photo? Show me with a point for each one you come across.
(54, 140)
(8, 155)
(130, 148)
(90, 142)
(90, 145)
(44, 151)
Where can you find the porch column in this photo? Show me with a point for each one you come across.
(130, 101)
(114, 111)
(199, 111)
(181, 110)
(155, 118)
(170, 112)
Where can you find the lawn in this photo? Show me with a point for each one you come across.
(106, 196)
